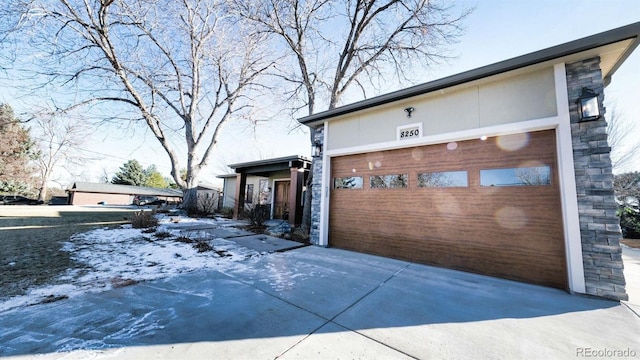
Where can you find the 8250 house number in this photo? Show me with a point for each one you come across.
(409, 133)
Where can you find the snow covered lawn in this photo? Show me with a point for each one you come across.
(124, 256)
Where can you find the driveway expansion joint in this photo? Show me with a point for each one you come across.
(631, 308)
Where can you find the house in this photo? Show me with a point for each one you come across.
(86, 193)
(278, 183)
(209, 197)
(503, 170)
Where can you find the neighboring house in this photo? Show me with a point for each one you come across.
(209, 197)
(278, 183)
(493, 171)
(85, 193)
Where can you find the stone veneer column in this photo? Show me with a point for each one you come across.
(316, 189)
(599, 225)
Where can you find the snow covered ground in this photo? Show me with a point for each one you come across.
(123, 256)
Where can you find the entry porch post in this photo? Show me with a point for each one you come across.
(241, 184)
(295, 191)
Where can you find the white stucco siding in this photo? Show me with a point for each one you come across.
(229, 192)
(494, 101)
(524, 97)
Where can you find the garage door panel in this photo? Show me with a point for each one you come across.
(513, 232)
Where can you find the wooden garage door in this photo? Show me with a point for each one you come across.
(485, 206)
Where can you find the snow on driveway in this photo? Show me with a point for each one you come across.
(108, 258)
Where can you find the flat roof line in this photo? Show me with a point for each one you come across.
(631, 31)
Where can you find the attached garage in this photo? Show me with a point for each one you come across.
(503, 170)
(486, 206)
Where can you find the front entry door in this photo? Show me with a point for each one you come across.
(281, 202)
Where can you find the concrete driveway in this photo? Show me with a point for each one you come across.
(325, 304)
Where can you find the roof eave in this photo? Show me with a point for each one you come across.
(631, 31)
(270, 161)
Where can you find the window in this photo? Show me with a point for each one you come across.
(264, 185)
(529, 176)
(352, 182)
(443, 179)
(389, 181)
(248, 197)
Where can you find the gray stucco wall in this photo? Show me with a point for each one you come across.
(509, 98)
(599, 225)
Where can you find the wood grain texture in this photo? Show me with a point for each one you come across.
(512, 232)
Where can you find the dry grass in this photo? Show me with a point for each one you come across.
(634, 243)
(31, 239)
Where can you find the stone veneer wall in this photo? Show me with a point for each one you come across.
(316, 190)
(599, 225)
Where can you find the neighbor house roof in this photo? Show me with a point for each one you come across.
(122, 189)
(613, 46)
(207, 186)
(263, 167)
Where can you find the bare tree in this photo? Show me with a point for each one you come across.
(59, 140)
(182, 67)
(627, 187)
(625, 147)
(532, 176)
(333, 45)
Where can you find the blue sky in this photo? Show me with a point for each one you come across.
(496, 31)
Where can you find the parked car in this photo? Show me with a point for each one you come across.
(147, 200)
(18, 200)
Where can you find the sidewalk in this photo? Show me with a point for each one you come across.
(322, 303)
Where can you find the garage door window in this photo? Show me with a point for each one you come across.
(529, 176)
(351, 182)
(443, 179)
(389, 181)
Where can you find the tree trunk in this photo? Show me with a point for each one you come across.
(190, 199)
(42, 194)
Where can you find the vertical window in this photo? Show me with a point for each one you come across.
(248, 196)
(264, 191)
(389, 181)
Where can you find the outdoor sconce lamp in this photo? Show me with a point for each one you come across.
(316, 148)
(588, 105)
(409, 110)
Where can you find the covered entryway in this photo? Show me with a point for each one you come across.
(283, 177)
(487, 206)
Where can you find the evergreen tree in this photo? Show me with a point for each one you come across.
(17, 150)
(131, 173)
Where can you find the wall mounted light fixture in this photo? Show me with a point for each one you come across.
(588, 105)
(316, 148)
(409, 110)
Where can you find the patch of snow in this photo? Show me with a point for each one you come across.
(123, 256)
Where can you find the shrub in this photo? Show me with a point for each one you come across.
(258, 214)
(144, 220)
(162, 234)
(630, 222)
(207, 205)
(185, 239)
(202, 246)
(227, 212)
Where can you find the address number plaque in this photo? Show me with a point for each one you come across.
(411, 131)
